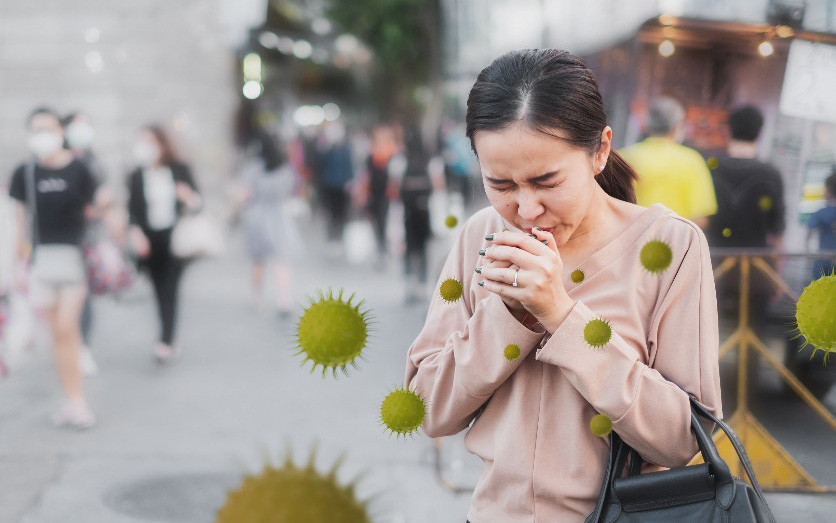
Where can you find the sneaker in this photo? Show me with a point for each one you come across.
(166, 354)
(88, 365)
(74, 415)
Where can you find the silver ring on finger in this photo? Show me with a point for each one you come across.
(516, 273)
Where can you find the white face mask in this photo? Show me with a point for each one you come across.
(43, 143)
(146, 153)
(80, 135)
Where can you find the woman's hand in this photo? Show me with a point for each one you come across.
(139, 242)
(187, 196)
(539, 275)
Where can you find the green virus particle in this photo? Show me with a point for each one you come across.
(451, 222)
(726, 233)
(332, 332)
(656, 256)
(765, 203)
(712, 162)
(451, 290)
(292, 493)
(577, 276)
(597, 333)
(601, 425)
(402, 412)
(815, 314)
(512, 351)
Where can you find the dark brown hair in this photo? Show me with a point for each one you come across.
(550, 90)
(168, 153)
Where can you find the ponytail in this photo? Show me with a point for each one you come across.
(617, 178)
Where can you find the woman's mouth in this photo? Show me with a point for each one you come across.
(549, 230)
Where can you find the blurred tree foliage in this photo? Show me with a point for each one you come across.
(405, 36)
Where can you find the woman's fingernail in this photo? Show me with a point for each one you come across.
(490, 237)
(544, 242)
(533, 235)
(481, 284)
(535, 227)
(478, 270)
(482, 252)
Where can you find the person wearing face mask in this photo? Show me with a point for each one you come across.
(55, 193)
(160, 190)
(79, 135)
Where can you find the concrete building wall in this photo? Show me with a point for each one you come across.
(125, 64)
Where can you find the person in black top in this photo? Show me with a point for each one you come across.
(55, 192)
(750, 208)
(160, 189)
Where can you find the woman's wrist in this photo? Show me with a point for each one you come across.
(554, 320)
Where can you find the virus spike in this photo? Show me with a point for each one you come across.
(656, 256)
(403, 412)
(332, 332)
(597, 333)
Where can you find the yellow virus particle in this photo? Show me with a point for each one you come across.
(712, 162)
(451, 222)
(332, 332)
(402, 412)
(291, 493)
(656, 256)
(815, 314)
(726, 232)
(451, 290)
(601, 425)
(577, 276)
(512, 351)
(765, 203)
(597, 333)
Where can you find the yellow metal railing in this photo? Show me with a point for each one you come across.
(775, 468)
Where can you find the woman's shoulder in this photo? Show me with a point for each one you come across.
(680, 234)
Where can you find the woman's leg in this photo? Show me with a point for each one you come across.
(169, 292)
(64, 320)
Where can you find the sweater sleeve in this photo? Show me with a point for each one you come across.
(648, 403)
(458, 360)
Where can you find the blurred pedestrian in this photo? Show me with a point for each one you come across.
(379, 186)
(80, 135)
(823, 222)
(460, 165)
(55, 192)
(670, 173)
(334, 172)
(416, 188)
(750, 211)
(161, 189)
(271, 240)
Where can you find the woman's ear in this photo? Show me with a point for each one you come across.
(604, 150)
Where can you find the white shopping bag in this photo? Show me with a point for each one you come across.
(359, 241)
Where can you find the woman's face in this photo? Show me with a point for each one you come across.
(535, 179)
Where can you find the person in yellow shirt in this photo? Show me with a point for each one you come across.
(669, 173)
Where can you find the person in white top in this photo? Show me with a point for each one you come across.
(160, 189)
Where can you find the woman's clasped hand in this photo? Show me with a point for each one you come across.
(533, 263)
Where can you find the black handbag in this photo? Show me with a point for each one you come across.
(699, 493)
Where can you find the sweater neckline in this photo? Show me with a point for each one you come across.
(613, 250)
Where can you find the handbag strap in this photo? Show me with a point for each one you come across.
(617, 460)
(700, 409)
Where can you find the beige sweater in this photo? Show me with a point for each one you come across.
(530, 417)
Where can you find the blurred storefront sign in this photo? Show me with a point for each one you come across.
(809, 82)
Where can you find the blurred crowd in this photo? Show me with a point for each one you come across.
(379, 193)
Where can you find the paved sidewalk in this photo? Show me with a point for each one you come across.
(171, 441)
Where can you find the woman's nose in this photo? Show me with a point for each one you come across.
(528, 206)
